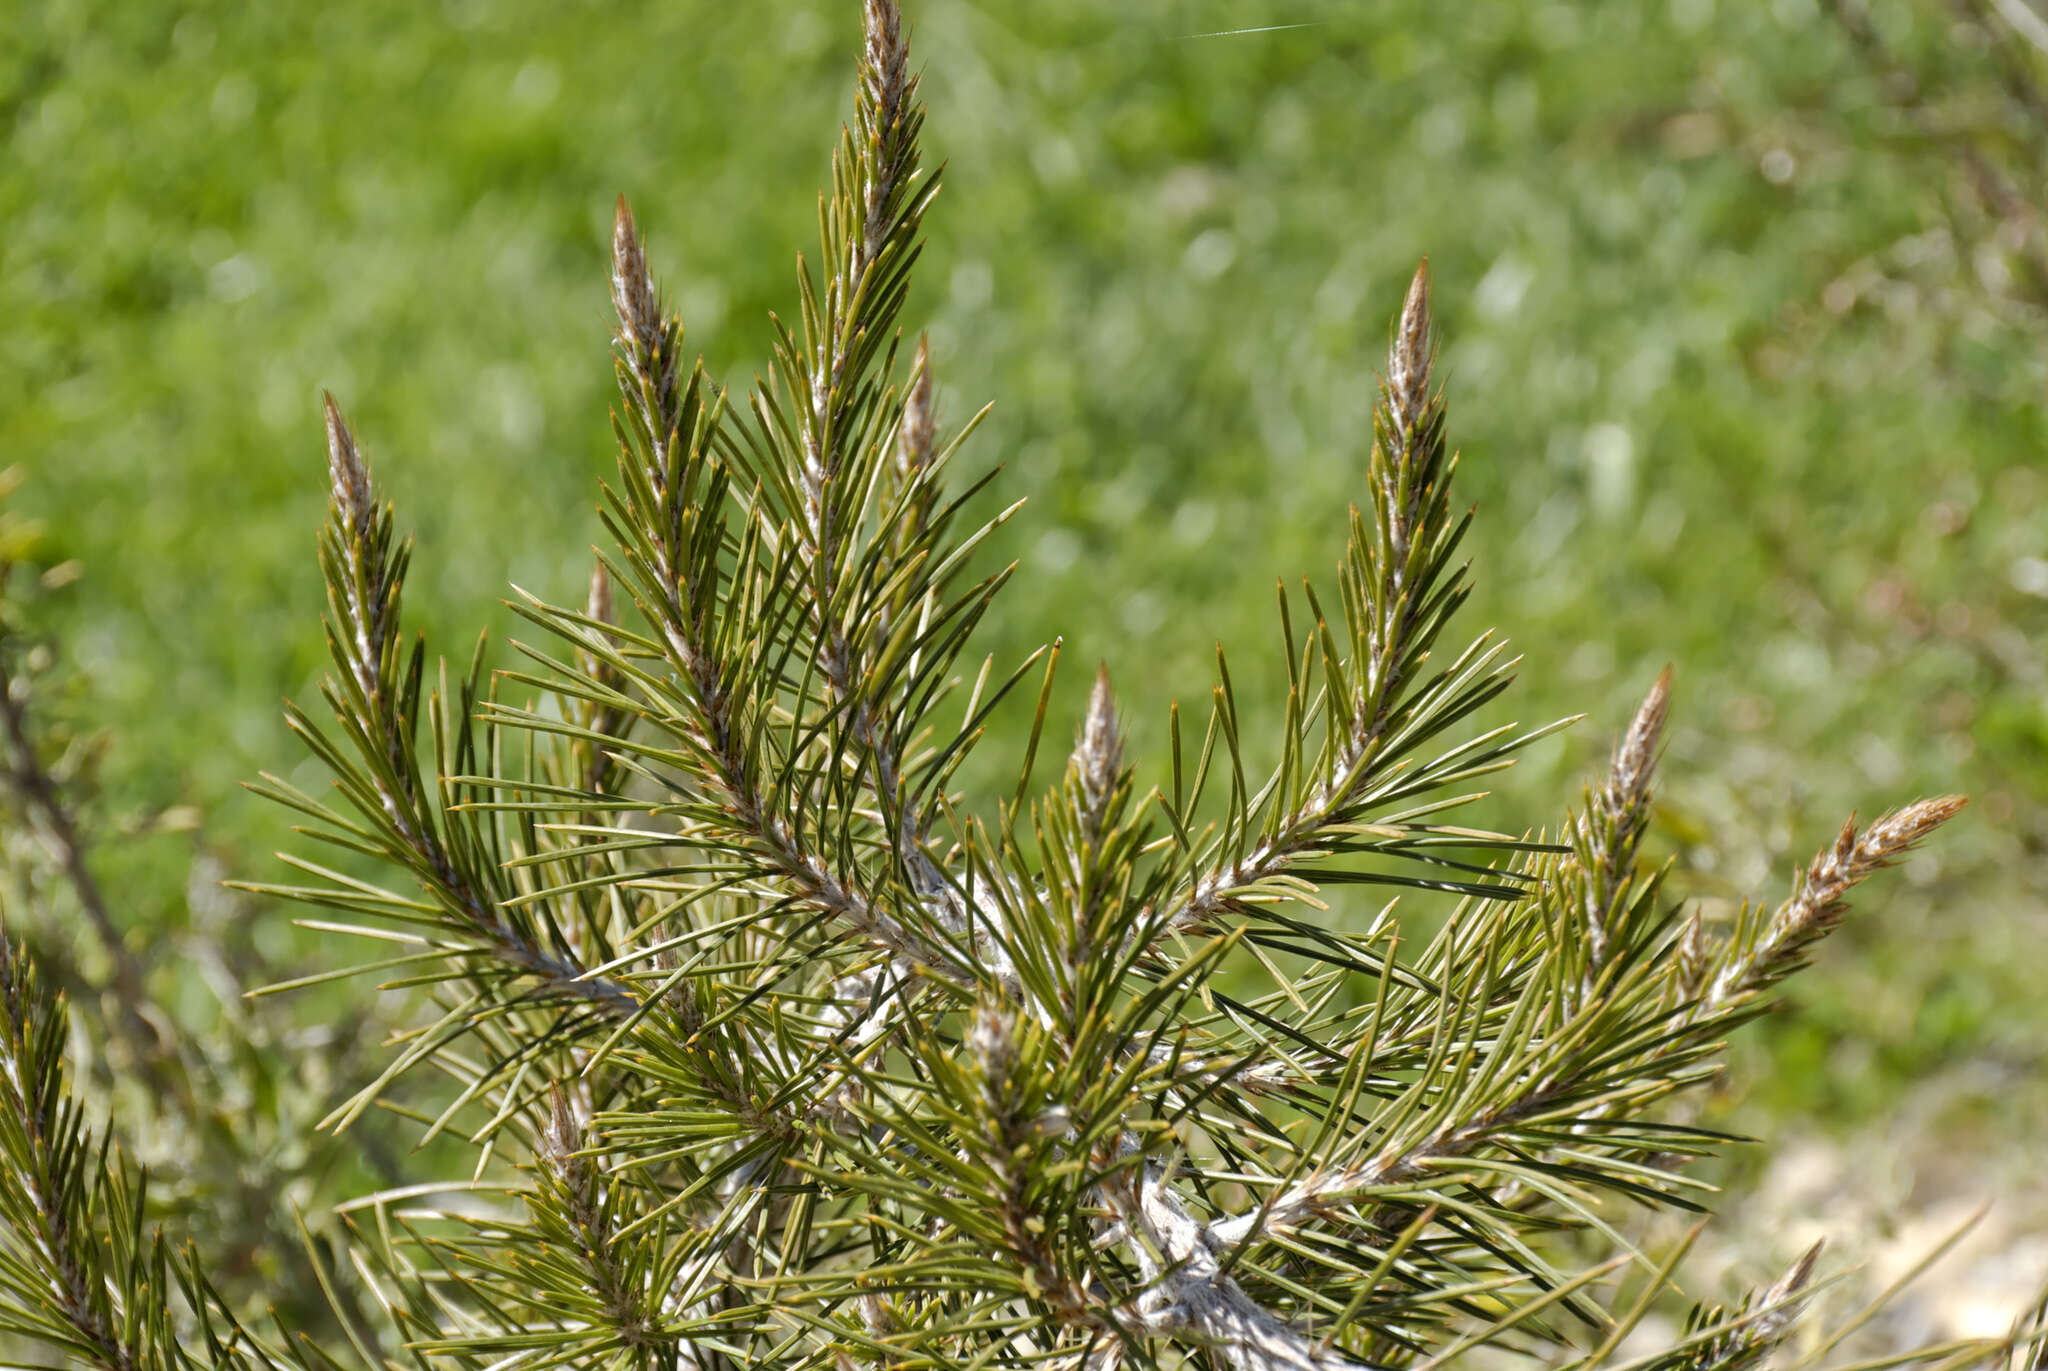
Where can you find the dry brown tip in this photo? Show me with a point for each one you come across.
(882, 23)
(884, 55)
(1099, 754)
(633, 296)
(915, 437)
(1783, 1294)
(347, 473)
(1903, 828)
(1635, 757)
(1695, 956)
(625, 236)
(1795, 1279)
(1856, 855)
(1409, 357)
(886, 87)
(599, 605)
(562, 1136)
(1844, 851)
(1816, 905)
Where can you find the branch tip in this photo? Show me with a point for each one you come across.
(1635, 756)
(914, 439)
(633, 294)
(599, 606)
(885, 58)
(1099, 752)
(1695, 957)
(349, 475)
(562, 1135)
(1795, 1279)
(1781, 1302)
(1817, 904)
(1408, 360)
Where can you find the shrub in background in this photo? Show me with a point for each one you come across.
(772, 1049)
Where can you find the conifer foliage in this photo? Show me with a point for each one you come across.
(777, 1050)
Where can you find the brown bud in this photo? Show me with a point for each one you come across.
(599, 606)
(1694, 955)
(885, 60)
(354, 498)
(1635, 756)
(914, 438)
(1776, 1321)
(1900, 830)
(1099, 752)
(561, 1136)
(633, 295)
(1408, 360)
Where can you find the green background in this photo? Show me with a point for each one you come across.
(1742, 383)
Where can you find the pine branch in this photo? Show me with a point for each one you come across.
(675, 486)
(1086, 1081)
(1607, 837)
(375, 700)
(1761, 953)
(1606, 972)
(78, 1270)
(871, 224)
(1744, 1337)
(1399, 591)
(54, 1174)
(577, 1209)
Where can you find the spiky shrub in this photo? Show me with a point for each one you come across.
(776, 1051)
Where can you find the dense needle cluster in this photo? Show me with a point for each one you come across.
(777, 1050)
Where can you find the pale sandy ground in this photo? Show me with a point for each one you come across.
(1882, 1206)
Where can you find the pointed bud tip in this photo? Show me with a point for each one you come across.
(625, 232)
(1099, 753)
(917, 434)
(1794, 1280)
(1408, 359)
(1101, 701)
(885, 79)
(1415, 308)
(633, 296)
(883, 22)
(1903, 828)
(921, 372)
(1635, 756)
(562, 1134)
(1940, 809)
(1650, 715)
(339, 439)
(1647, 728)
(600, 604)
(347, 473)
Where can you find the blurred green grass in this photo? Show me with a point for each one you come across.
(1732, 390)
